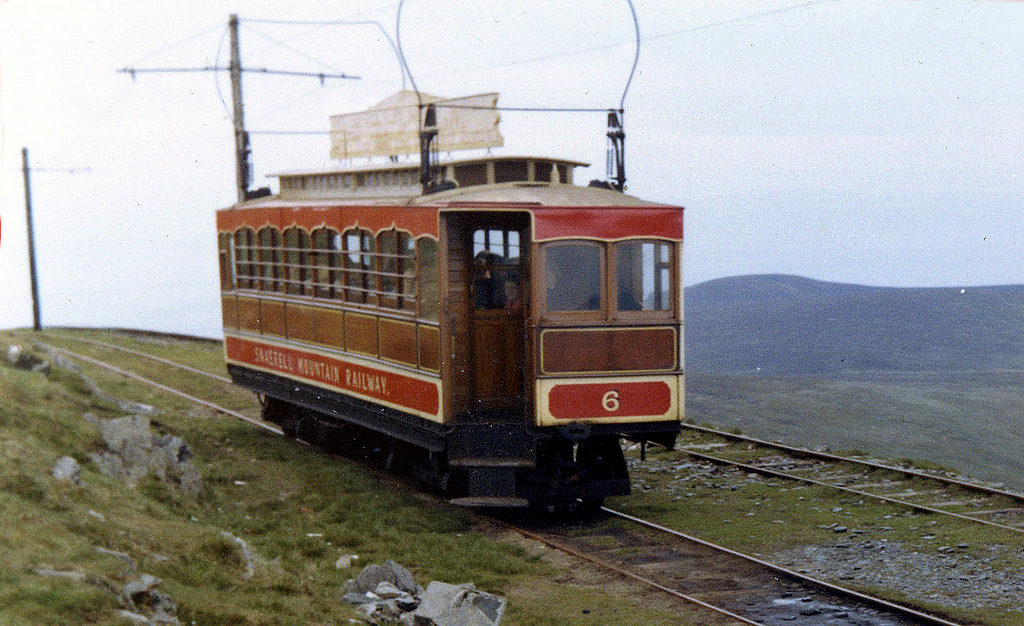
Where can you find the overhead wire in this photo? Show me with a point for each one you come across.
(406, 74)
(176, 44)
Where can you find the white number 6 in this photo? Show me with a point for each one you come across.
(610, 401)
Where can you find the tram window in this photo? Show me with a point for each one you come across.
(271, 259)
(245, 258)
(326, 262)
(296, 257)
(497, 256)
(396, 262)
(224, 251)
(359, 267)
(407, 286)
(573, 277)
(643, 276)
(428, 297)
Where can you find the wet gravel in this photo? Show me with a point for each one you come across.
(954, 576)
(965, 575)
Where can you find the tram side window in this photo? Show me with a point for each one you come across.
(224, 253)
(296, 253)
(359, 267)
(271, 259)
(573, 277)
(428, 295)
(245, 258)
(395, 271)
(407, 287)
(326, 263)
(643, 276)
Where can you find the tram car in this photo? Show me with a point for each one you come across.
(486, 318)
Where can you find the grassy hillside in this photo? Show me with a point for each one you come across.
(934, 374)
(68, 550)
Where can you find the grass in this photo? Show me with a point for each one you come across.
(945, 420)
(297, 509)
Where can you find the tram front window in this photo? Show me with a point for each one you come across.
(644, 273)
(573, 277)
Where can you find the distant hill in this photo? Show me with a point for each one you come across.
(787, 325)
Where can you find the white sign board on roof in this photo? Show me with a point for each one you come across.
(392, 126)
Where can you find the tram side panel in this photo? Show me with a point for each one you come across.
(339, 310)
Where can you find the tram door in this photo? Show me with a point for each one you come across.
(494, 267)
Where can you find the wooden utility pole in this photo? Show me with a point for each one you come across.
(242, 165)
(26, 171)
(243, 168)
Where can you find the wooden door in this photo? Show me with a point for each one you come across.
(495, 270)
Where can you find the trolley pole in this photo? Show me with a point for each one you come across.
(26, 171)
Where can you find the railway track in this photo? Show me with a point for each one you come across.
(730, 583)
(736, 587)
(861, 477)
(903, 486)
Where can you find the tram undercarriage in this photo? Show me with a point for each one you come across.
(492, 464)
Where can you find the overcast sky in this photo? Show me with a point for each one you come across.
(872, 142)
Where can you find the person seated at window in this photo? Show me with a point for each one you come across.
(513, 297)
(487, 292)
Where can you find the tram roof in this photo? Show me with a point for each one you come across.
(490, 181)
(353, 168)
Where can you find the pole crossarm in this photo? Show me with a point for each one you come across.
(132, 71)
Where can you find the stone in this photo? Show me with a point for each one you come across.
(388, 594)
(391, 572)
(142, 594)
(133, 451)
(369, 577)
(402, 577)
(442, 604)
(45, 571)
(357, 598)
(387, 591)
(247, 556)
(26, 360)
(67, 469)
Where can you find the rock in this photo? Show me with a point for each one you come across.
(357, 598)
(373, 575)
(388, 594)
(142, 594)
(133, 451)
(247, 556)
(45, 571)
(26, 360)
(387, 591)
(67, 469)
(402, 577)
(443, 604)
(118, 555)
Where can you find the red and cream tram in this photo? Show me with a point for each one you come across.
(507, 330)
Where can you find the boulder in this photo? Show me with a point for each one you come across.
(373, 575)
(133, 451)
(443, 604)
(387, 594)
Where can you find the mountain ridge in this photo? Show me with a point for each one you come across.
(781, 324)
